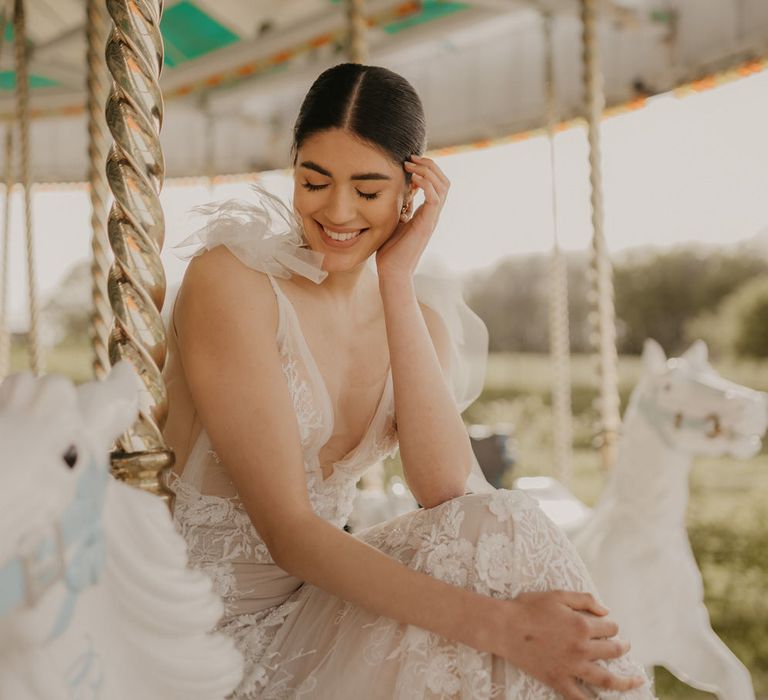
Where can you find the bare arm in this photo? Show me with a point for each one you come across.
(234, 373)
(434, 444)
(227, 318)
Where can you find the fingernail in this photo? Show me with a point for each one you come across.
(408, 164)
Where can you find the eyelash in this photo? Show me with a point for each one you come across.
(313, 188)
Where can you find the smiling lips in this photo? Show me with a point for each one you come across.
(336, 237)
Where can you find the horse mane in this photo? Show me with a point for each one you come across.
(157, 604)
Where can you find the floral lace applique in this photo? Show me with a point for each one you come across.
(307, 415)
(217, 532)
(385, 444)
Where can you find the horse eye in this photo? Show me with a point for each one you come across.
(70, 456)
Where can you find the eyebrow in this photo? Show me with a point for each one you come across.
(310, 165)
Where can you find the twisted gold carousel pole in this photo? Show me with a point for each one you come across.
(22, 116)
(559, 331)
(97, 86)
(136, 228)
(602, 315)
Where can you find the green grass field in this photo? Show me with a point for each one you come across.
(727, 518)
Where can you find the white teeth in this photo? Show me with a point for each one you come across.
(341, 236)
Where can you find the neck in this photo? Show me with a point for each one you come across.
(342, 287)
(650, 476)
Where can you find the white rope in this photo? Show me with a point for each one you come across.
(602, 316)
(358, 31)
(97, 85)
(5, 334)
(22, 116)
(559, 330)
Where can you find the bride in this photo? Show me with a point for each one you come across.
(303, 349)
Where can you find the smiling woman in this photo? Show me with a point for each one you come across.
(283, 393)
(346, 152)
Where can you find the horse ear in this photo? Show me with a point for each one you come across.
(697, 354)
(110, 406)
(654, 358)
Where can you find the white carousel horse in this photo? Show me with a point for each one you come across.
(95, 597)
(635, 542)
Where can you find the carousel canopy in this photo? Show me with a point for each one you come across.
(235, 70)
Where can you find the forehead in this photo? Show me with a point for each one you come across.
(342, 154)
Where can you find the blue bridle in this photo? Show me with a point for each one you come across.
(74, 550)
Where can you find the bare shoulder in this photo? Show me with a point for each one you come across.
(218, 290)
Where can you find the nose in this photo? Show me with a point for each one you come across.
(340, 208)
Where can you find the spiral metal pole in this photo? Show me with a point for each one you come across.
(97, 86)
(559, 330)
(136, 229)
(22, 116)
(5, 335)
(358, 31)
(602, 315)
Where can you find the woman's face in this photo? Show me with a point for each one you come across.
(349, 196)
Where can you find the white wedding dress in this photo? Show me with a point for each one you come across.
(301, 641)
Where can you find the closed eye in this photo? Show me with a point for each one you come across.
(314, 188)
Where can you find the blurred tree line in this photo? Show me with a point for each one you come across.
(673, 296)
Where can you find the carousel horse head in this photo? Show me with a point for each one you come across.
(694, 409)
(93, 577)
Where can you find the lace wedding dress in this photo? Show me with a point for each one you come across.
(300, 641)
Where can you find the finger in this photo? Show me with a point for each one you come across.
(607, 649)
(430, 175)
(602, 678)
(434, 167)
(583, 601)
(430, 193)
(604, 627)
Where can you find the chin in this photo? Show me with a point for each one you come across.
(342, 263)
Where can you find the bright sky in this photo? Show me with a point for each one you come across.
(682, 169)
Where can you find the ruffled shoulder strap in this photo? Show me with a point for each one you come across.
(469, 347)
(466, 330)
(264, 234)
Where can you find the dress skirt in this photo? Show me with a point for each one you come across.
(315, 645)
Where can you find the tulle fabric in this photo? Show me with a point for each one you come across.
(266, 235)
(301, 641)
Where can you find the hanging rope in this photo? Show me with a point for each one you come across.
(559, 330)
(136, 285)
(602, 318)
(98, 87)
(358, 31)
(5, 335)
(22, 116)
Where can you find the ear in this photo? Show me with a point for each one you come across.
(654, 358)
(110, 407)
(697, 354)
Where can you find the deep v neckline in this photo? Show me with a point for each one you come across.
(313, 368)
